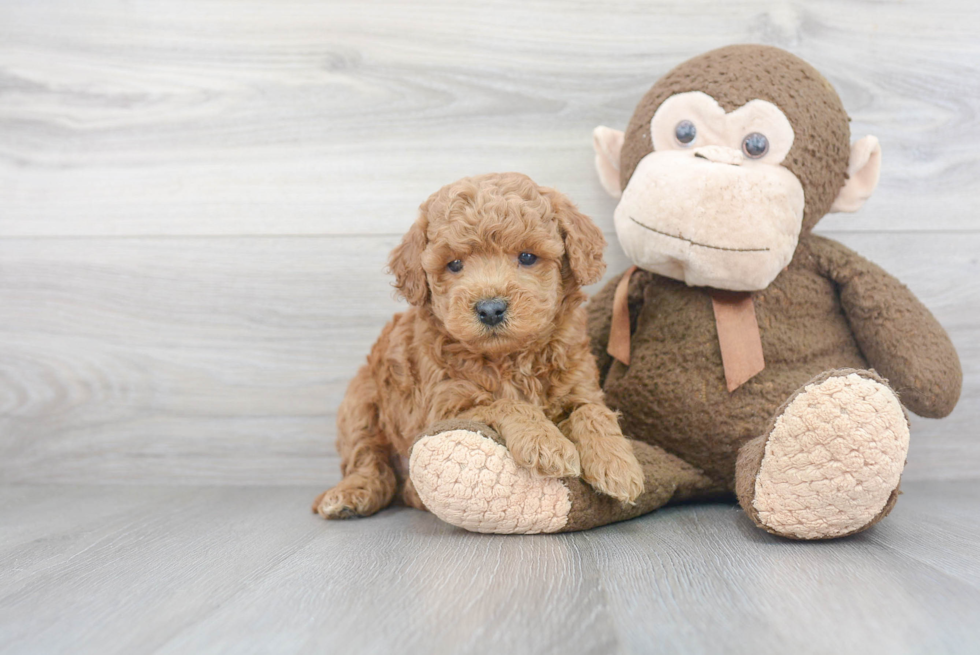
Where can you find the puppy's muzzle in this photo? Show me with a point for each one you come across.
(491, 311)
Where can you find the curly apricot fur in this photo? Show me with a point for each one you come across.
(437, 361)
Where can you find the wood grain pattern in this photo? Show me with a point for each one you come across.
(249, 117)
(197, 197)
(223, 360)
(249, 570)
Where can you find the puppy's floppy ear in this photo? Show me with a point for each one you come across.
(405, 262)
(584, 241)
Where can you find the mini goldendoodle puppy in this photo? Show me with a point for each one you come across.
(493, 267)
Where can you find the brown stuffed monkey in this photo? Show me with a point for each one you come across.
(746, 355)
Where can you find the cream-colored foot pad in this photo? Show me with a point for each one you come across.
(472, 482)
(832, 459)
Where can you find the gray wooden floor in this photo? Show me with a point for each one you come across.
(247, 570)
(197, 198)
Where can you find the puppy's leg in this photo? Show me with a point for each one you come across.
(532, 439)
(608, 462)
(365, 457)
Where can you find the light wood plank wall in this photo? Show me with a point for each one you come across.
(197, 197)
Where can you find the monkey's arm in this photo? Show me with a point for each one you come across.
(897, 334)
(600, 310)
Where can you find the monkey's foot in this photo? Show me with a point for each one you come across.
(467, 478)
(832, 460)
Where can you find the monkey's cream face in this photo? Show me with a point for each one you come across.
(711, 205)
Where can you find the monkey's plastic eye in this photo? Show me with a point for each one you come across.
(455, 265)
(755, 145)
(685, 133)
(526, 258)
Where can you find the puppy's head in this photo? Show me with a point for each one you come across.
(497, 258)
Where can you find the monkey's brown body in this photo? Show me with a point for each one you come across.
(674, 394)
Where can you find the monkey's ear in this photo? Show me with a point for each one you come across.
(405, 263)
(863, 170)
(583, 239)
(608, 145)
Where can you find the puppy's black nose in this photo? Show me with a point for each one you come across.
(491, 310)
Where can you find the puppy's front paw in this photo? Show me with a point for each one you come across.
(354, 496)
(546, 450)
(610, 467)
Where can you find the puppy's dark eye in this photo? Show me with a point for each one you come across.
(685, 133)
(526, 258)
(755, 145)
(455, 265)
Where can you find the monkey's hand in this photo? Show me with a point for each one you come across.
(897, 334)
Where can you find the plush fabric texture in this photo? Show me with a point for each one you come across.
(666, 479)
(829, 465)
(452, 424)
(724, 127)
(473, 482)
(608, 144)
(812, 319)
(725, 226)
(863, 172)
(738, 74)
(832, 459)
(814, 444)
(894, 330)
(466, 477)
(828, 309)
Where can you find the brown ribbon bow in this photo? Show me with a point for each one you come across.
(738, 331)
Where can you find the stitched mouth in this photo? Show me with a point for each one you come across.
(695, 243)
(698, 155)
